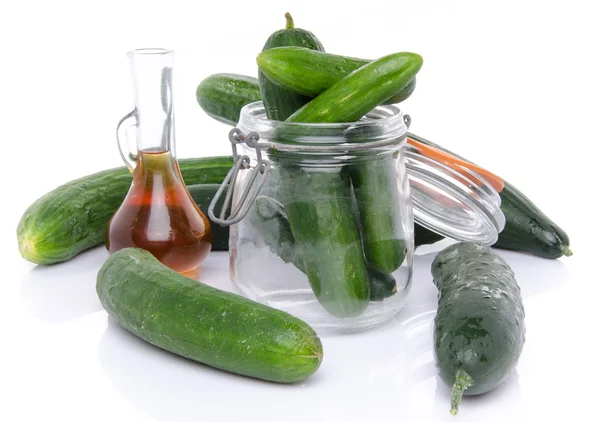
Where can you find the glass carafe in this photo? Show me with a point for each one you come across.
(158, 213)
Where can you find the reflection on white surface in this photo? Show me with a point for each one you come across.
(62, 292)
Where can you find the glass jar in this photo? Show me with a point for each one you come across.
(322, 216)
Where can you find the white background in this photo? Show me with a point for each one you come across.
(514, 87)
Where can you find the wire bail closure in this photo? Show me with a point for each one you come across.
(250, 193)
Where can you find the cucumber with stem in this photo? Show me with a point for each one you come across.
(281, 102)
(479, 328)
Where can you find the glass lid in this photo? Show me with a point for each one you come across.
(451, 196)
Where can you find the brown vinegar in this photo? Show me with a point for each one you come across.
(160, 216)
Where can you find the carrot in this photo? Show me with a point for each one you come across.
(457, 164)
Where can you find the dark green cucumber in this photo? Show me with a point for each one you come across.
(280, 102)
(223, 95)
(269, 219)
(202, 196)
(479, 327)
(425, 236)
(318, 204)
(381, 285)
(198, 322)
(361, 91)
(527, 228)
(73, 217)
(309, 72)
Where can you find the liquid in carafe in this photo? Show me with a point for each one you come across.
(159, 215)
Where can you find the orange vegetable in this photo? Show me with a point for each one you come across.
(457, 164)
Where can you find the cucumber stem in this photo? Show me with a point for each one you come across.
(565, 250)
(289, 22)
(463, 381)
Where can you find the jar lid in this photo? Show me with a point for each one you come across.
(450, 198)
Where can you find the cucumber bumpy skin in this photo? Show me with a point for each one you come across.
(198, 322)
(479, 327)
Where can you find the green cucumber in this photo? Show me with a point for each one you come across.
(374, 181)
(361, 91)
(198, 322)
(309, 72)
(527, 228)
(223, 95)
(280, 102)
(375, 184)
(479, 327)
(269, 219)
(318, 204)
(74, 216)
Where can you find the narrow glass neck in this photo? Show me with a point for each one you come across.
(152, 69)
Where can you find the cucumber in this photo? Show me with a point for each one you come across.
(223, 95)
(280, 102)
(198, 322)
(309, 72)
(479, 327)
(202, 195)
(376, 190)
(527, 228)
(74, 216)
(318, 204)
(361, 91)
(381, 285)
(425, 236)
(269, 219)
(374, 181)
